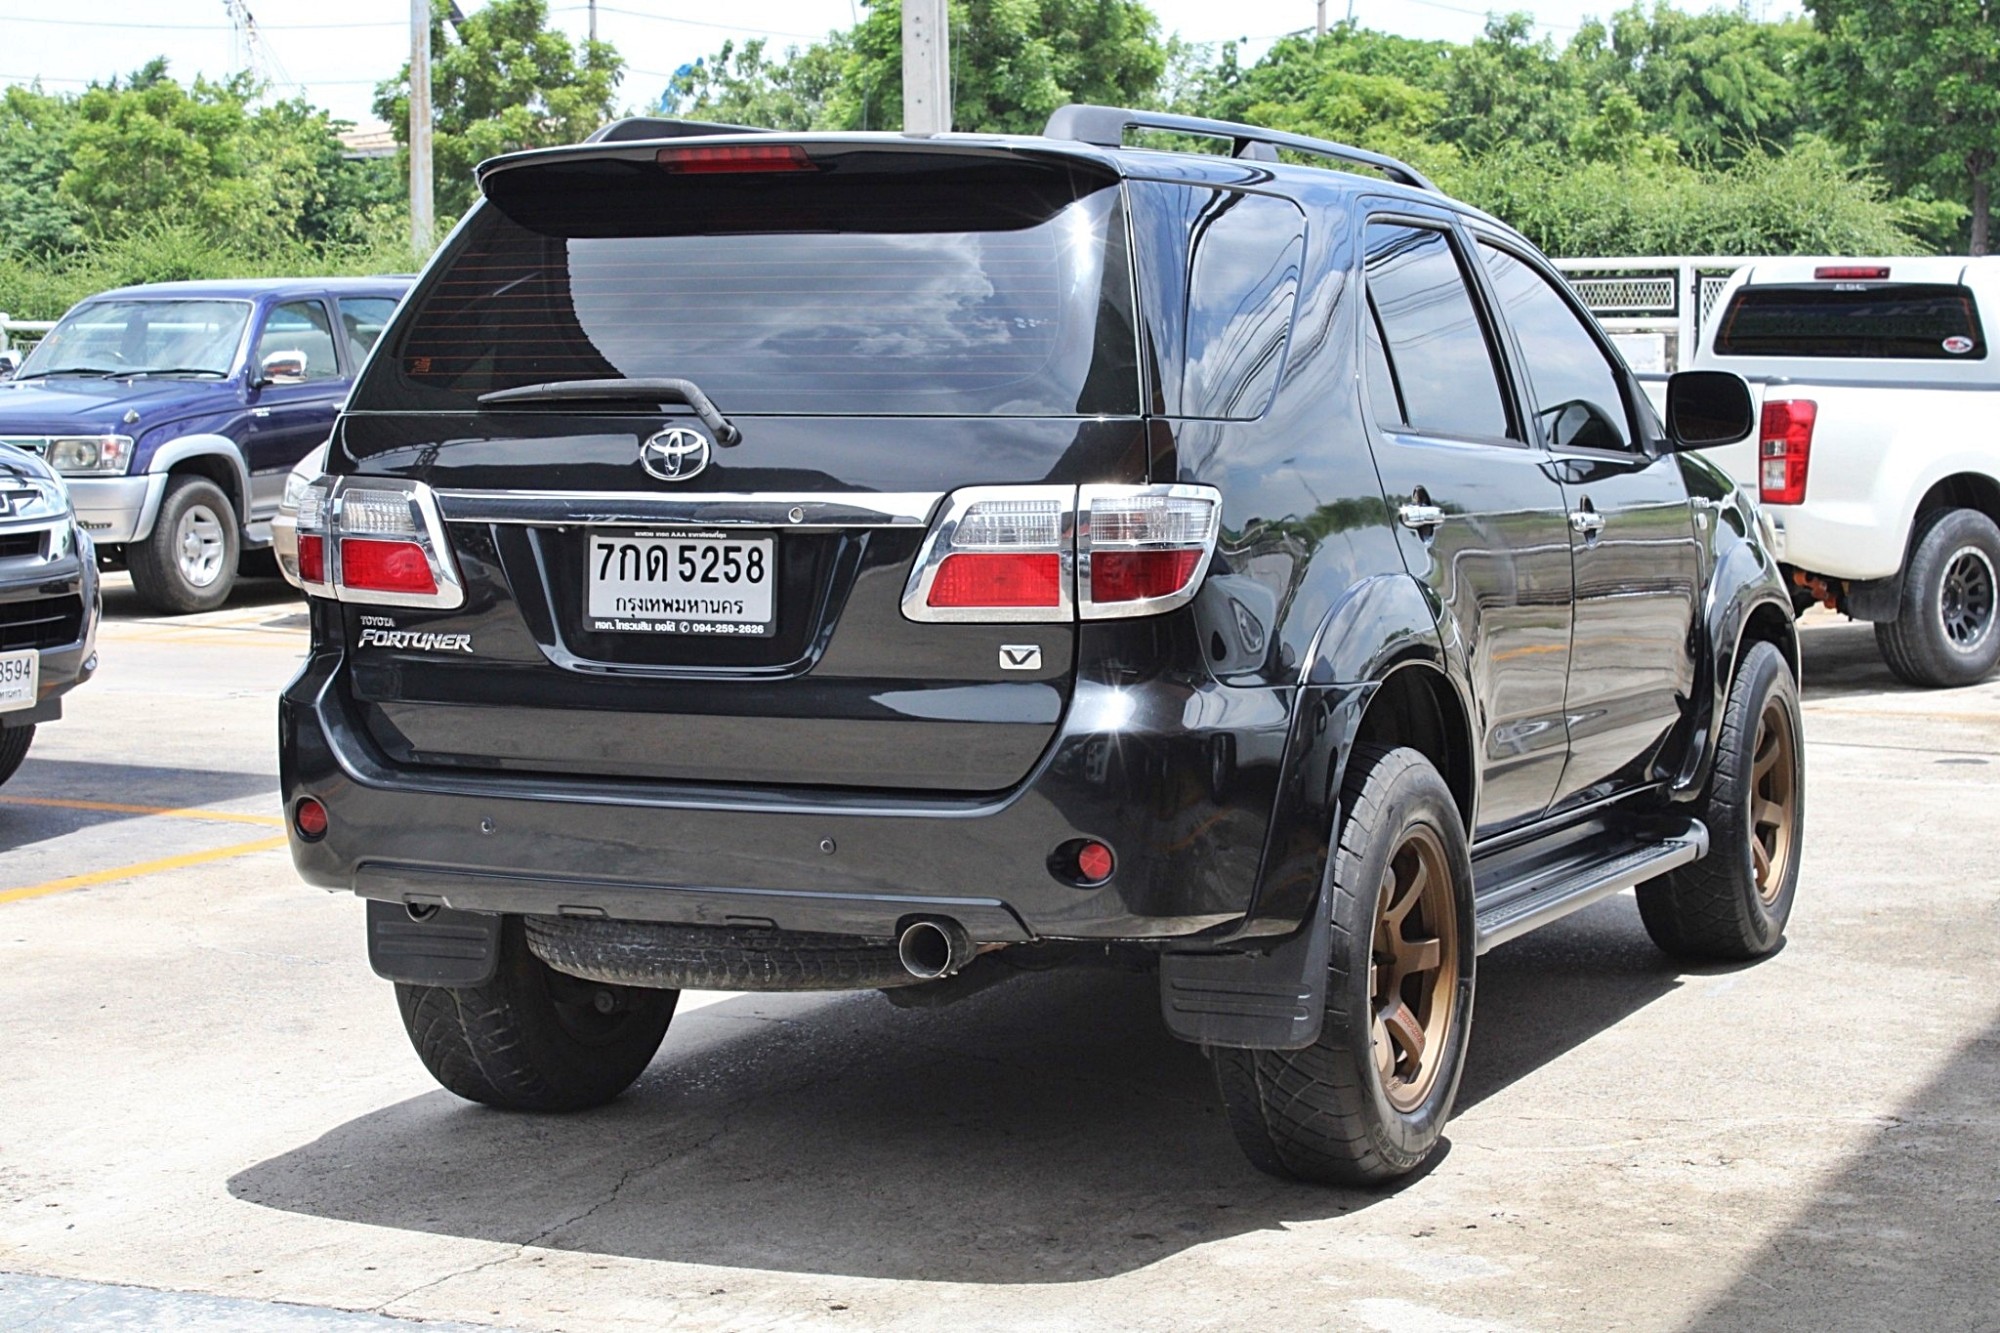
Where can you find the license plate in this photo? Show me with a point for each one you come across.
(681, 582)
(20, 679)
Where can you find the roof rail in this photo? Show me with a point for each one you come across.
(659, 127)
(1105, 126)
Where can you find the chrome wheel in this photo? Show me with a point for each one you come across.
(1414, 974)
(1774, 790)
(200, 546)
(1966, 598)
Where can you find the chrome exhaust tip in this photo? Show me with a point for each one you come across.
(931, 949)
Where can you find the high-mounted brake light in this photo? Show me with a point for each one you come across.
(1025, 554)
(1784, 450)
(725, 158)
(376, 541)
(1851, 273)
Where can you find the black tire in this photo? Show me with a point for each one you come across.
(532, 1039)
(14, 743)
(649, 953)
(168, 576)
(1718, 909)
(1325, 1114)
(1948, 632)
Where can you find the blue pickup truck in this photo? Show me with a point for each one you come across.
(175, 411)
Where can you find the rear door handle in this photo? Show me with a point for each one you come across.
(1586, 522)
(1420, 516)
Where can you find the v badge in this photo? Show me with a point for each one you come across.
(1020, 657)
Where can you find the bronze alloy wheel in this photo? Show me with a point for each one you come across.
(1414, 974)
(1774, 792)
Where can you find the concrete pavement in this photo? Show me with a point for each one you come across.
(207, 1092)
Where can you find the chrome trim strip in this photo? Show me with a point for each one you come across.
(938, 545)
(768, 509)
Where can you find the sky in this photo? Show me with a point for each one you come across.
(335, 54)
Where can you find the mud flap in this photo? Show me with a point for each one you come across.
(1272, 1001)
(446, 948)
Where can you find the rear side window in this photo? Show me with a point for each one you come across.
(362, 319)
(1437, 347)
(1906, 322)
(1241, 291)
(877, 283)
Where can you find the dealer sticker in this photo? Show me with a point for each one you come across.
(1958, 344)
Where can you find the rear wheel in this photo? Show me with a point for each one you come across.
(533, 1039)
(1733, 903)
(1948, 632)
(14, 743)
(1367, 1101)
(188, 562)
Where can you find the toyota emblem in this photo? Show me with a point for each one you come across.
(675, 455)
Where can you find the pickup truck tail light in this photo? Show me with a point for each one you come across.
(1784, 450)
(376, 541)
(1042, 554)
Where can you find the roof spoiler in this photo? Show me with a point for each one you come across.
(1105, 126)
(659, 127)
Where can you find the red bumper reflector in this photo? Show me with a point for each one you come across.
(309, 818)
(1093, 862)
(713, 159)
(1133, 576)
(312, 559)
(998, 578)
(379, 566)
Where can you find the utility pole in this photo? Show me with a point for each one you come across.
(593, 20)
(926, 67)
(420, 128)
(1319, 29)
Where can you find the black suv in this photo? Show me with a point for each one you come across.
(816, 562)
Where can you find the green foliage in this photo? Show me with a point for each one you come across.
(1806, 201)
(34, 153)
(501, 80)
(1916, 84)
(1013, 62)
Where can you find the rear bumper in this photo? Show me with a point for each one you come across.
(1180, 778)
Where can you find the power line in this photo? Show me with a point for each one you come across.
(691, 23)
(190, 27)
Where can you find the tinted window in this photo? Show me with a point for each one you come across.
(1243, 286)
(300, 326)
(1436, 344)
(876, 283)
(362, 319)
(1913, 321)
(1577, 400)
(130, 336)
(1383, 397)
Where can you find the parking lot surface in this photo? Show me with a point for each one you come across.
(204, 1091)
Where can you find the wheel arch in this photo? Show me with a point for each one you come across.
(214, 457)
(1959, 490)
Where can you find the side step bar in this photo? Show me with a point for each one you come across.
(1550, 890)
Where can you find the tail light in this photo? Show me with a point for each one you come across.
(376, 541)
(1143, 549)
(1784, 450)
(1026, 554)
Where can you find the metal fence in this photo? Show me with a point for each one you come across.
(10, 328)
(1654, 306)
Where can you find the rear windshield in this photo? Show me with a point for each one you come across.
(1909, 322)
(878, 283)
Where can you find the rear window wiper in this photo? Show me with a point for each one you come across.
(645, 389)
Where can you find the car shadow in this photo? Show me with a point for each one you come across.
(122, 603)
(33, 805)
(1840, 661)
(1046, 1131)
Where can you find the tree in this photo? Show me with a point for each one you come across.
(35, 217)
(1013, 62)
(1918, 82)
(501, 80)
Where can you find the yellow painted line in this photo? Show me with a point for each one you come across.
(171, 812)
(143, 868)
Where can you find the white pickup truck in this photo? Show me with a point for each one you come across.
(1878, 456)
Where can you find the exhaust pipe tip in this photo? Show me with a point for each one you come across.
(932, 949)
